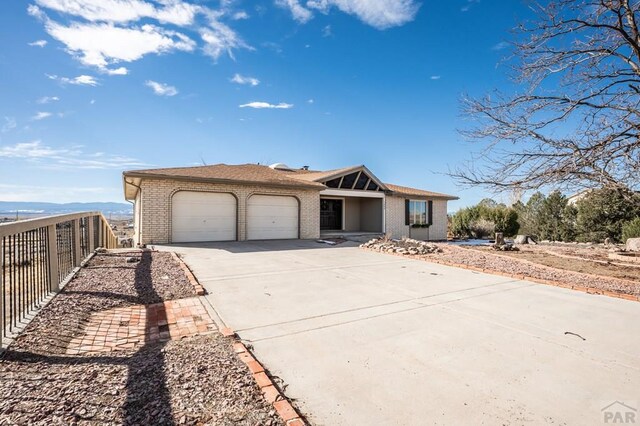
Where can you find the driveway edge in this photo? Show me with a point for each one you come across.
(190, 276)
(273, 395)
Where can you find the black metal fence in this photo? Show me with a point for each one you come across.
(37, 255)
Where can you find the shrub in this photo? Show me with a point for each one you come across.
(631, 229)
(484, 220)
(481, 228)
(461, 221)
(505, 220)
(602, 213)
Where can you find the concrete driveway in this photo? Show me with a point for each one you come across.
(363, 338)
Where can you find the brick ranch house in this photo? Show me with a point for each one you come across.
(255, 202)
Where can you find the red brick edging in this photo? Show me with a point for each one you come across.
(192, 278)
(588, 290)
(271, 393)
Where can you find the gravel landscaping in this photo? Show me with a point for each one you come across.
(195, 380)
(586, 261)
(107, 281)
(511, 264)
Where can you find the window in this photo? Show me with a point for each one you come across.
(348, 180)
(362, 181)
(333, 183)
(417, 212)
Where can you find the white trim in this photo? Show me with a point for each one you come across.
(352, 193)
(384, 216)
(356, 181)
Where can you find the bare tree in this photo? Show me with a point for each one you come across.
(576, 123)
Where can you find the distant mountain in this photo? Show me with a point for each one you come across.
(24, 207)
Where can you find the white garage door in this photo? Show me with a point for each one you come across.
(203, 216)
(272, 217)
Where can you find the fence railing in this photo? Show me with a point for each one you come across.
(37, 256)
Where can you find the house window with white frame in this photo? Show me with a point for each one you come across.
(417, 212)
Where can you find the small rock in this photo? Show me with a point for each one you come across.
(133, 259)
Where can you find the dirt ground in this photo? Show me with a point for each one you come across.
(595, 260)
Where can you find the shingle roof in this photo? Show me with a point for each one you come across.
(255, 173)
(248, 173)
(405, 190)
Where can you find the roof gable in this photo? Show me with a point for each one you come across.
(354, 177)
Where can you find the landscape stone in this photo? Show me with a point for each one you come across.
(633, 244)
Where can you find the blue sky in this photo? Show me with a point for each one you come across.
(89, 88)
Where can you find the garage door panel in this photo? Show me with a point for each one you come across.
(272, 217)
(203, 216)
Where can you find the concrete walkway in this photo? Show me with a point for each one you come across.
(370, 339)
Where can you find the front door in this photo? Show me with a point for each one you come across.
(330, 214)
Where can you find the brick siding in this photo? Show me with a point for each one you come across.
(395, 220)
(156, 206)
(153, 210)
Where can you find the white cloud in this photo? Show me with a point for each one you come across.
(92, 101)
(35, 11)
(117, 71)
(38, 43)
(101, 45)
(435, 77)
(62, 194)
(112, 31)
(65, 158)
(310, 101)
(240, 79)
(240, 15)
(380, 14)
(500, 46)
(468, 6)
(161, 89)
(81, 80)
(219, 38)
(299, 13)
(33, 149)
(122, 11)
(326, 31)
(261, 105)
(47, 99)
(84, 80)
(41, 115)
(9, 124)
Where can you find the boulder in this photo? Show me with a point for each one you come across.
(524, 239)
(633, 244)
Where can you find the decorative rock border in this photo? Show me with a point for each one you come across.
(405, 246)
(200, 291)
(270, 391)
(588, 290)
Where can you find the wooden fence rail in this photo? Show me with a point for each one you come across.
(38, 255)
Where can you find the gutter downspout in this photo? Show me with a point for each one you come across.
(134, 212)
